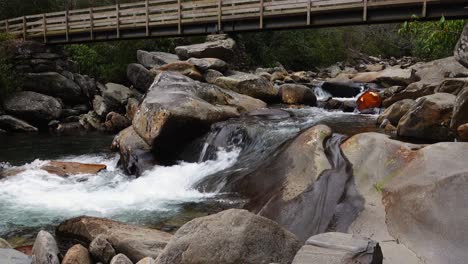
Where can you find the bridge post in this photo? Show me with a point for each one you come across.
(67, 27)
(220, 15)
(117, 17)
(147, 17)
(7, 26)
(24, 28)
(424, 9)
(180, 16)
(309, 7)
(364, 11)
(261, 14)
(44, 25)
(91, 23)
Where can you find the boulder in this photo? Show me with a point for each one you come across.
(184, 67)
(436, 71)
(33, 107)
(342, 89)
(77, 255)
(209, 64)
(117, 94)
(297, 94)
(461, 49)
(463, 132)
(140, 77)
(101, 249)
(135, 153)
(278, 76)
(248, 84)
(121, 259)
(413, 91)
(452, 85)
(91, 121)
(54, 84)
(45, 250)
(231, 236)
(69, 128)
(147, 260)
(339, 248)
(63, 168)
(216, 37)
(460, 109)
(102, 106)
(388, 77)
(302, 76)
(175, 104)
(10, 123)
(11, 256)
(87, 85)
(396, 111)
(210, 76)
(155, 59)
(4, 243)
(131, 108)
(428, 118)
(133, 241)
(220, 49)
(116, 122)
(426, 203)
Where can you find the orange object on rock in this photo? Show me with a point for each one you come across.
(368, 100)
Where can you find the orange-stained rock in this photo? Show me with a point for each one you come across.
(25, 249)
(368, 100)
(63, 168)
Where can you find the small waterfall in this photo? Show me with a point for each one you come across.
(321, 94)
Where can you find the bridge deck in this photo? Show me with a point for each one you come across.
(152, 18)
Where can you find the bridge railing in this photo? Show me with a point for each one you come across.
(153, 13)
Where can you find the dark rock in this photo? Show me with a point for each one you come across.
(33, 107)
(45, 250)
(11, 256)
(117, 94)
(77, 255)
(87, 84)
(220, 49)
(269, 113)
(91, 121)
(210, 76)
(82, 108)
(10, 123)
(102, 106)
(175, 103)
(461, 49)
(413, 91)
(396, 111)
(140, 77)
(121, 259)
(70, 128)
(54, 84)
(133, 241)
(135, 154)
(205, 64)
(248, 84)
(429, 118)
(101, 249)
(337, 248)
(250, 238)
(452, 85)
(115, 122)
(333, 104)
(155, 59)
(297, 94)
(460, 109)
(69, 112)
(342, 89)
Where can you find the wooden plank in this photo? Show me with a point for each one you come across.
(180, 17)
(25, 30)
(44, 27)
(147, 17)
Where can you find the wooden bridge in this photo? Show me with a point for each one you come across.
(157, 18)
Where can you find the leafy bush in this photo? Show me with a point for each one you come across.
(432, 40)
(9, 81)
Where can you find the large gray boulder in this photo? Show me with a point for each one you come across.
(388, 77)
(232, 236)
(45, 250)
(11, 256)
(133, 241)
(101, 249)
(33, 107)
(135, 153)
(140, 77)
(88, 85)
(13, 124)
(56, 85)
(155, 59)
(461, 49)
(339, 248)
(176, 104)
(221, 49)
(460, 109)
(412, 91)
(436, 71)
(429, 118)
(248, 84)
(117, 94)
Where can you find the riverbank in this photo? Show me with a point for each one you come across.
(305, 153)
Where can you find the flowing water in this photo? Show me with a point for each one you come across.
(35, 199)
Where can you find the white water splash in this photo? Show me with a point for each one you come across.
(36, 192)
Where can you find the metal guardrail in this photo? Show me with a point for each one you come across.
(149, 14)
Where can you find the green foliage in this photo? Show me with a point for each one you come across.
(432, 40)
(9, 81)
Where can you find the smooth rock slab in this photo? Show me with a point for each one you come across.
(45, 250)
(56, 85)
(11, 256)
(155, 59)
(63, 168)
(10, 123)
(248, 84)
(222, 49)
